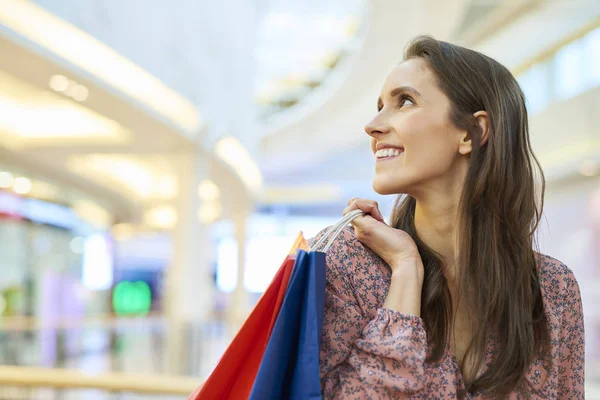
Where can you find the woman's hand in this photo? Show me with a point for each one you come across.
(394, 246)
(398, 250)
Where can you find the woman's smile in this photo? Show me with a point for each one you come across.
(387, 155)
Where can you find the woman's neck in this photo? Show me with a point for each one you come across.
(435, 223)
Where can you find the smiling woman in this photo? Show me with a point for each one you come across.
(451, 300)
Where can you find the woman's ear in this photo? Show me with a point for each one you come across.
(481, 119)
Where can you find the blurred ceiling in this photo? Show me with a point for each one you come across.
(299, 44)
(72, 128)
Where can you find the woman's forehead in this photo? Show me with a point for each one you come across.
(413, 73)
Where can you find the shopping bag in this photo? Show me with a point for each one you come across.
(235, 373)
(290, 364)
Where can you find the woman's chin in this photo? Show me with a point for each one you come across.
(384, 188)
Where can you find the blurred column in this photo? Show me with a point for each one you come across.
(239, 304)
(189, 287)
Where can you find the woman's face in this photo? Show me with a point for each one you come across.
(413, 125)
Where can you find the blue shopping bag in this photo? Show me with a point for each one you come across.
(290, 365)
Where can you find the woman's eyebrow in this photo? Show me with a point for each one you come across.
(397, 91)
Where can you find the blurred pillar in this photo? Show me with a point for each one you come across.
(189, 286)
(239, 304)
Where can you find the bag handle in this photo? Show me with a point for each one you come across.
(336, 230)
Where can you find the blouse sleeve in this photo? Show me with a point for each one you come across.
(572, 344)
(364, 357)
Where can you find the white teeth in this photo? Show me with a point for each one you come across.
(388, 153)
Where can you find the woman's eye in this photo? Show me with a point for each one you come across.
(405, 101)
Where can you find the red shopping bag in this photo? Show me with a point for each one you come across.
(234, 375)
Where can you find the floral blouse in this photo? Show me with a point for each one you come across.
(370, 352)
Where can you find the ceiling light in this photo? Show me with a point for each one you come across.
(28, 113)
(162, 217)
(59, 83)
(22, 185)
(133, 175)
(208, 190)
(52, 120)
(80, 93)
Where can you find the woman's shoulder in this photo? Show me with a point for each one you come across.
(557, 279)
(551, 268)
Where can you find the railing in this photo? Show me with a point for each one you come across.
(105, 343)
(33, 377)
(104, 357)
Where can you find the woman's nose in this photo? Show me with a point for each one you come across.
(377, 128)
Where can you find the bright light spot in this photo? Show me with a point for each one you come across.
(264, 256)
(77, 245)
(80, 93)
(129, 173)
(59, 83)
(22, 185)
(227, 265)
(6, 180)
(32, 116)
(163, 217)
(97, 263)
(208, 191)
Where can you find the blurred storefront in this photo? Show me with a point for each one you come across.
(56, 253)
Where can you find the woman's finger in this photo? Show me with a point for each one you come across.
(369, 206)
(352, 205)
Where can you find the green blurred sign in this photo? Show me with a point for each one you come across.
(132, 298)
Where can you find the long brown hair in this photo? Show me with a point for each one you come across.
(498, 216)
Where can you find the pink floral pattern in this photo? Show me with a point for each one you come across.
(370, 352)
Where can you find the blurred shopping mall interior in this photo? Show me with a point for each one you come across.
(158, 158)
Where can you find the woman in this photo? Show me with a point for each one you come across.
(450, 300)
